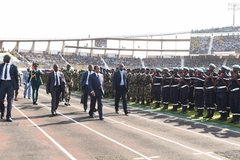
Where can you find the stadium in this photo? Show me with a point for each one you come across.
(197, 48)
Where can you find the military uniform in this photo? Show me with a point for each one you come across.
(141, 89)
(210, 94)
(74, 78)
(148, 87)
(133, 86)
(199, 91)
(157, 81)
(222, 93)
(174, 89)
(234, 94)
(191, 98)
(166, 88)
(183, 89)
(69, 84)
(36, 80)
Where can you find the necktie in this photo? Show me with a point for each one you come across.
(5, 74)
(56, 77)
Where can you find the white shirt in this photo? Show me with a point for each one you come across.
(58, 79)
(88, 77)
(8, 72)
(122, 82)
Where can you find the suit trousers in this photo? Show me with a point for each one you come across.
(85, 97)
(97, 98)
(6, 87)
(121, 92)
(55, 98)
(35, 88)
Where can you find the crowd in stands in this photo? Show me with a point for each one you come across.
(43, 59)
(130, 63)
(83, 60)
(202, 61)
(162, 62)
(226, 43)
(232, 61)
(216, 30)
(199, 45)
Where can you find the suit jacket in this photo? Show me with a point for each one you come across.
(117, 80)
(35, 77)
(51, 81)
(95, 84)
(13, 75)
(84, 79)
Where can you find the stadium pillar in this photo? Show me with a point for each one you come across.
(63, 46)
(1, 45)
(48, 47)
(16, 47)
(147, 48)
(133, 47)
(161, 45)
(33, 47)
(76, 52)
(91, 50)
(119, 49)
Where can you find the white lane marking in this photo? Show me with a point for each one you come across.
(168, 140)
(49, 137)
(160, 137)
(130, 149)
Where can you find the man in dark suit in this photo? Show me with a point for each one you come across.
(96, 90)
(9, 83)
(120, 88)
(85, 87)
(55, 86)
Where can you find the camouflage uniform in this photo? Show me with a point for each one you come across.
(133, 87)
(148, 87)
(142, 84)
(107, 83)
(138, 84)
(129, 75)
(69, 85)
(74, 78)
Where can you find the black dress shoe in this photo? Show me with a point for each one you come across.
(85, 110)
(101, 118)
(53, 113)
(9, 119)
(95, 110)
(91, 116)
(117, 112)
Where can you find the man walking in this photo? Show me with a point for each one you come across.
(120, 89)
(27, 86)
(9, 83)
(55, 86)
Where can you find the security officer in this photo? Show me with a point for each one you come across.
(133, 85)
(166, 79)
(69, 84)
(221, 85)
(129, 74)
(234, 94)
(174, 89)
(36, 80)
(191, 98)
(148, 86)
(157, 81)
(210, 94)
(138, 78)
(199, 91)
(184, 83)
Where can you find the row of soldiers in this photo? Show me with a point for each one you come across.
(184, 88)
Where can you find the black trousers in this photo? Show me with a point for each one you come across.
(55, 98)
(121, 92)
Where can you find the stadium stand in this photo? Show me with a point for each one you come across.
(128, 62)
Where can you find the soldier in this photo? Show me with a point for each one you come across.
(221, 85)
(166, 79)
(157, 81)
(107, 83)
(138, 83)
(191, 98)
(148, 86)
(210, 95)
(69, 84)
(141, 82)
(133, 85)
(234, 94)
(184, 83)
(174, 89)
(74, 77)
(36, 80)
(199, 91)
(129, 81)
